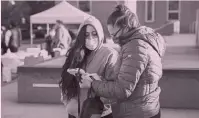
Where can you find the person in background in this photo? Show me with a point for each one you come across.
(13, 37)
(3, 47)
(93, 56)
(3, 44)
(51, 41)
(135, 90)
(62, 36)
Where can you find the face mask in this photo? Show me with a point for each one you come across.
(116, 38)
(91, 44)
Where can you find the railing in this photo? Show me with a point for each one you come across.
(166, 29)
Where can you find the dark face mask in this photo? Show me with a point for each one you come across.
(115, 37)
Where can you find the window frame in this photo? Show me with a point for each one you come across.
(146, 11)
(173, 11)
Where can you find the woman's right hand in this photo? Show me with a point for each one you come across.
(74, 71)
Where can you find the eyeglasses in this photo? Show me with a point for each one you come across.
(115, 34)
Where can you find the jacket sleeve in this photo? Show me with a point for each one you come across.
(109, 68)
(134, 61)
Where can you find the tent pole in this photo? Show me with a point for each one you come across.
(31, 36)
(48, 28)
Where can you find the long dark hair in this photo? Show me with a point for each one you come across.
(76, 57)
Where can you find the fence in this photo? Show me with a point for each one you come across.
(197, 28)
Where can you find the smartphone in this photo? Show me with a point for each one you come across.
(92, 78)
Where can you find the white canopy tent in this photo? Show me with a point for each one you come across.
(62, 11)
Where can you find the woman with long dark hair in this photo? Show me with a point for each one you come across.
(90, 54)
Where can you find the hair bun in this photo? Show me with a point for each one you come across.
(121, 8)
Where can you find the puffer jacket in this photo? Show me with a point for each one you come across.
(135, 90)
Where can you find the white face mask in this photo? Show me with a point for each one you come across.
(92, 38)
(91, 44)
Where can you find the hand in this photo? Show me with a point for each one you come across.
(86, 81)
(72, 71)
(75, 71)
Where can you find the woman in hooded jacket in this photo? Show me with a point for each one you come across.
(90, 54)
(135, 90)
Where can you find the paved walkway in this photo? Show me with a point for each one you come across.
(181, 57)
(12, 109)
(178, 40)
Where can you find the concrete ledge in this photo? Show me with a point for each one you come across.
(39, 84)
(180, 89)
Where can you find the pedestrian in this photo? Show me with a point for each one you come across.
(93, 56)
(62, 36)
(135, 90)
(4, 48)
(49, 42)
(13, 37)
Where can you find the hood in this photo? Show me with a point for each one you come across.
(98, 27)
(147, 34)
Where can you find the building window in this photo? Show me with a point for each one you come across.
(149, 11)
(85, 5)
(173, 10)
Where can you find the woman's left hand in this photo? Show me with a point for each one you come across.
(95, 76)
(86, 81)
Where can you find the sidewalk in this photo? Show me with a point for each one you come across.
(181, 52)
(181, 57)
(180, 40)
(12, 109)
